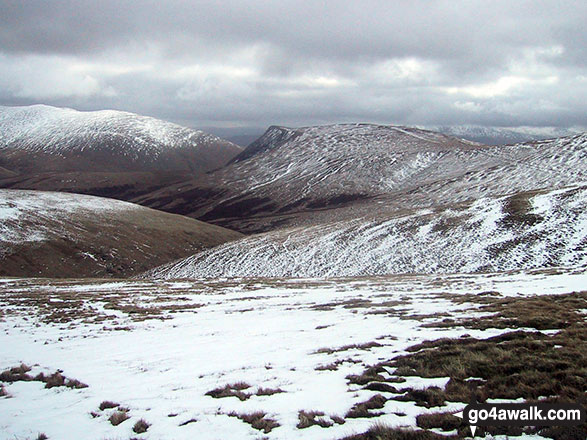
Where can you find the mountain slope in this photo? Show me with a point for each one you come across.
(308, 169)
(60, 149)
(69, 235)
(501, 135)
(42, 138)
(319, 174)
(522, 231)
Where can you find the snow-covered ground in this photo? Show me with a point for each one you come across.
(157, 348)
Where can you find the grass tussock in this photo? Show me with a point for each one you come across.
(312, 418)
(365, 346)
(16, 374)
(108, 404)
(258, 420)
(20, 374)
(118, 417)
(141, 426)
(231, 390)
(444, 421)
(363, 409)
(268, 391)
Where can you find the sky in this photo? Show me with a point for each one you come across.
(244, 65)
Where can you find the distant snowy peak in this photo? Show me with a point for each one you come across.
(140, 142)
(503, 135)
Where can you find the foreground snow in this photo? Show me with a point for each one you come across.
(158, 347)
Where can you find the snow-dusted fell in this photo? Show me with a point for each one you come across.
(523, 231)
(72, 235)
(310, 168)
(294, 176)
(40, 138)
(504, 135)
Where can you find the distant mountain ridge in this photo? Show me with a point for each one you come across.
(105, 153)
(503, 135)
(103, 141)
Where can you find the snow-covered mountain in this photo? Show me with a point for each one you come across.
(307, 169)
(526, 230)
(428, 208)
(40, 138)
(502, 135)
(299, 176)
(71, 235)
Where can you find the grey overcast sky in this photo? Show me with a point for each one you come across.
(255, 63)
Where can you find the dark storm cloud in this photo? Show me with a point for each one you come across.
(254, 63)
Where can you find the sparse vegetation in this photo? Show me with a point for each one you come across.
(268, 391)
(257, 420)
(20, 374)
(527, 364)
(231, 390)
(118, 417)
(363, 409)
(311, 418)
(107, 404)
(444, 421)
(141, 426)
(365, 346)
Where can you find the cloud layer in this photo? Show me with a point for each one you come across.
(256, 63)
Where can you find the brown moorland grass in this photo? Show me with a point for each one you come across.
(231, 390)
(118, 417)
(517, 364)
(257, 420)
(141, 426)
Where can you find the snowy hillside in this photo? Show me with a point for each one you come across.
(292, 175)
(501, 135)
(522, 231)
(42, 138)
(57, 234)
(290, 169)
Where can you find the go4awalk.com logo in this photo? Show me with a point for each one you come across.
(522, 414)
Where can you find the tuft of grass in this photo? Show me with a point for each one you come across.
(118, 417)
(444, 421)
(3, 392)
(257, 420)
(141, 426)
(16, 374)
(369, 375)
(365, 346)
(268, 391)
(311, 418)
(427, 397)
(362, 409)
(107, 404)
(42, 436)
(230, 390)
